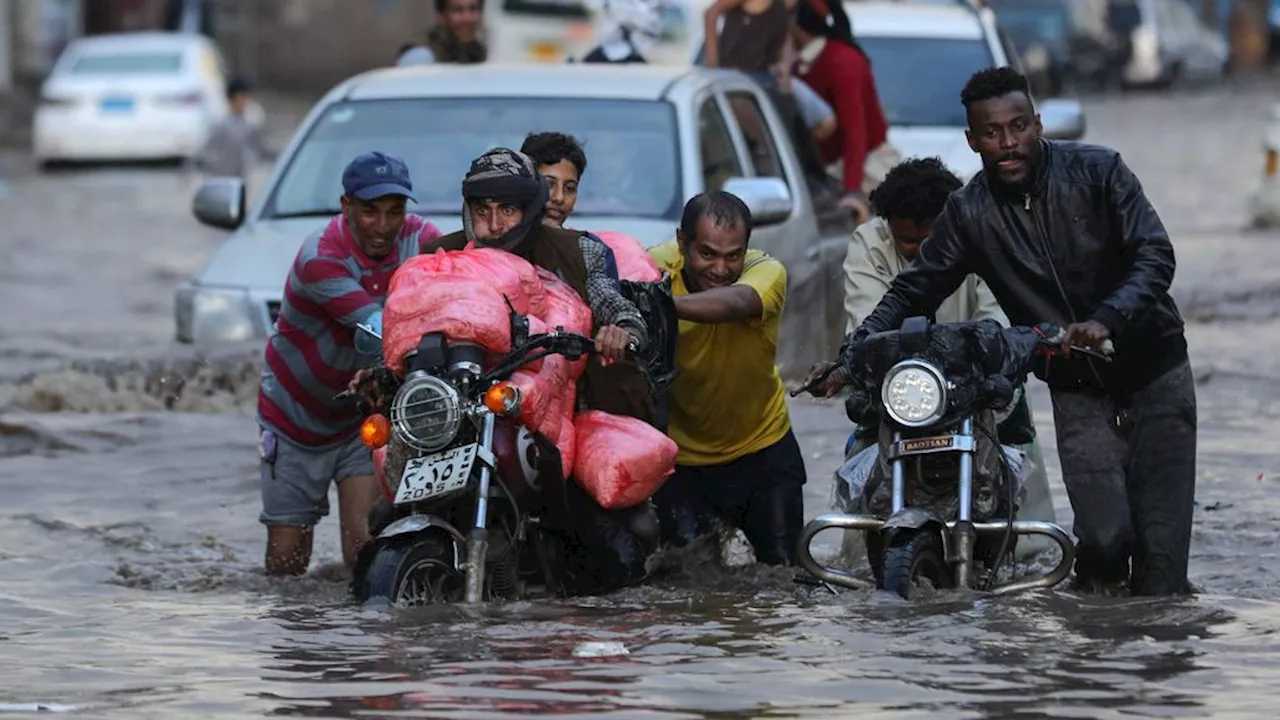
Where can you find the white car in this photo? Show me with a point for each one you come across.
(130, 96)
(922, 54)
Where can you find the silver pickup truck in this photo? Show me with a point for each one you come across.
(654, 137)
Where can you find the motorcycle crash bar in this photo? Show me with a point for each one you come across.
(870, 523)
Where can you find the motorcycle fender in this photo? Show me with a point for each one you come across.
(419, 523)
(913, 518)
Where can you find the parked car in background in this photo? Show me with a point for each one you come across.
(655, 136)
(922, 54)
(1055, 42)
(1164, 42)
(130, 96)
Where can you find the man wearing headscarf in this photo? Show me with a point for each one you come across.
(833, 64)
(504, 198)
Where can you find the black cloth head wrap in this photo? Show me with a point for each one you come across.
(509, 177)
(828, 20)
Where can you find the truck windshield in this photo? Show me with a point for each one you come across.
(632, 151)
(919, 79)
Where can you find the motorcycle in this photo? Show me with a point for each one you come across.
(477, 505)
(947, 515)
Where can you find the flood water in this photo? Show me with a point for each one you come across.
(130, 553)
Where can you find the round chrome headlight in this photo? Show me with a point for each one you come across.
(426, 412)
(914, 394)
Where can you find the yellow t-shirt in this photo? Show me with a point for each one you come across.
(727, 399)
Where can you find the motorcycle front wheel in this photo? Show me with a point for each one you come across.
(913, 558)
(413, 573)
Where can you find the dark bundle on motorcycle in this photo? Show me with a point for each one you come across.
(983, 360)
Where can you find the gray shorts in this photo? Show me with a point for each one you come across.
(295, 478)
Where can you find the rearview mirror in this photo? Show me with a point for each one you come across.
(220, 202)
(768, 198)
(1062, 119)
(368, 338)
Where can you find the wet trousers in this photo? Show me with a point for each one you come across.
(607, 548)
(761, 494)
(1129, 465)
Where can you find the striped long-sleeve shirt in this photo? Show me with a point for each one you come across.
(311, 358)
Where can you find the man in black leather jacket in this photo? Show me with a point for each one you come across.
(1063, 233)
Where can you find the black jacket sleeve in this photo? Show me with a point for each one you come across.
(1146, 250)
(936, 273)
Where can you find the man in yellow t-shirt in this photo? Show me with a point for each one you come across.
(739, 459)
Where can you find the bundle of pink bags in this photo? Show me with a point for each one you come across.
(621, 461)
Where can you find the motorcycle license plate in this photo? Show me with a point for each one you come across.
(444, 472)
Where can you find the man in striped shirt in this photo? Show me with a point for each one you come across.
(310, 439)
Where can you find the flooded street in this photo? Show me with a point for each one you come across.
(130, 552)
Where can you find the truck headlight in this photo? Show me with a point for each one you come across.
(914, 394)
(206, 315)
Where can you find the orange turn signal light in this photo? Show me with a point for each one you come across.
(1272, 161)
(502, 399)
(375, 431)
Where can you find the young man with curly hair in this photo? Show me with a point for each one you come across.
(1063, 233)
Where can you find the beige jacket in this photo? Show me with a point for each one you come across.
(872, 262)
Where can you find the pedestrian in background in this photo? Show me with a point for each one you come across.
(754, 40)
(458, 36)
(834, 65)
(235, 146)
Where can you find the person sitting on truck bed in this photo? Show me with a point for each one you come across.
(830, 60)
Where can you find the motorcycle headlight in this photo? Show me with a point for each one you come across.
(426, 412)
(914, 394)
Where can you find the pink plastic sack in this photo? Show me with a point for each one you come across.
(511, 275)
(564, 306)
(465, 310)
(621, 461)
(634, 262)
(568, 442)
(543, 396)
(566, 309)
(508, 274)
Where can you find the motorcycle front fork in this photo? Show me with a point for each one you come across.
(478, 538)
(962, 537)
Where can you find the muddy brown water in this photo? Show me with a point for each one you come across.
(130, 554)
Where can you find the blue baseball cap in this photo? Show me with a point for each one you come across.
(372, 175)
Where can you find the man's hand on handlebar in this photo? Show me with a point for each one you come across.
(365, 387)
(825, 380)
(1089, 334)
(613, 343)
(1091, 338)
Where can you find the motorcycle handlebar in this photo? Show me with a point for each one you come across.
(1051, 336)
(557, 342)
